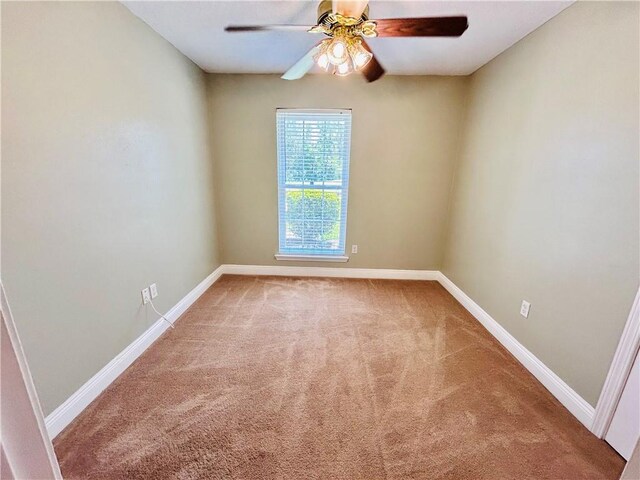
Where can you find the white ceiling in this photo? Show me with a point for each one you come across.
(197, 30)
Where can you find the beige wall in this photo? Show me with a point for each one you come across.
(106, 183)
(546, 198)
(405, 133)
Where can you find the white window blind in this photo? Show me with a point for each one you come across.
(313, 180)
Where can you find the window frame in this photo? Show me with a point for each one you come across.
(328, 255)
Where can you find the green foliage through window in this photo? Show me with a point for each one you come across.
(313, 216)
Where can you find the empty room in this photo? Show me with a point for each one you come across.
(332, 239)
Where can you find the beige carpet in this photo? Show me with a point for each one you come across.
(283, 378)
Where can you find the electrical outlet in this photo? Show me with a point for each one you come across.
(524, 309)
(154, 290)
(354, 248)
(146, 296)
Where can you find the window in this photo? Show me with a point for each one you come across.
(313, 182)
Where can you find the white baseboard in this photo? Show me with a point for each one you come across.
(379, 273)
(578, 406)
(62, 416)
(65, 413)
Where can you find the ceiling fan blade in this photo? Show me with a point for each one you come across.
(422, 27)
(372, 71)
(350, 8)
(302, 66)
(267, 28)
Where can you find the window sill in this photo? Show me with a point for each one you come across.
(311, 258)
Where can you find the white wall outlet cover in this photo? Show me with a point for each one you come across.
(154, 290)
(146, 296)
(524, 309)
(354, 248)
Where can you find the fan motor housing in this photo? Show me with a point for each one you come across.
(326, 7)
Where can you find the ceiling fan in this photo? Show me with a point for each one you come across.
(346, 24)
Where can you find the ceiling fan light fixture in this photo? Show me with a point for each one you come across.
(360, 55)
(342, 54)
(337, 51)
(323, 61)
(344, 69)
